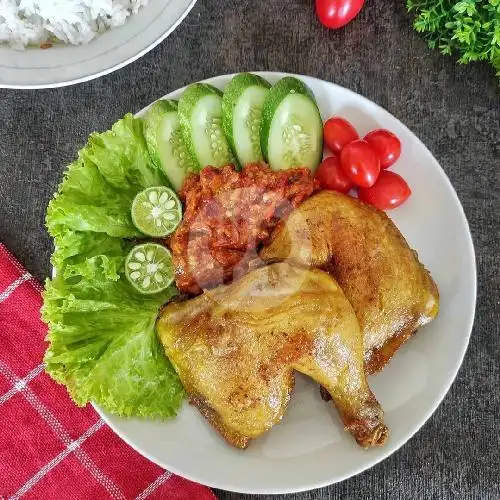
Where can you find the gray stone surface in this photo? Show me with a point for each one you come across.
(453, 109)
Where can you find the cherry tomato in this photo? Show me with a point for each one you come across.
(386, 144)
(390, 191)
(337, 13)
(338, 132)
(360, 163)
(331, 176)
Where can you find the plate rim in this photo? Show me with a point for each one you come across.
(111, 69)
(442, 394)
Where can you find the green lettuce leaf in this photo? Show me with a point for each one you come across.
(99, 187)
(102, 340)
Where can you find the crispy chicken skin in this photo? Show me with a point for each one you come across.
(236, 347)
(390, 290)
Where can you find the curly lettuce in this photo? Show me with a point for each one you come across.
(102, 340)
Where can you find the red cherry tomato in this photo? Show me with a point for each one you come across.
(337, 13)
(360, 163)
(386, 145)
(338, 132)
(390, 191)
(331, 176)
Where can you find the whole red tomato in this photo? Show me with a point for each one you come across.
(386, 145)
(390, 191)
(338, 132)
(337, 13)
(331, 176)
(360, 163)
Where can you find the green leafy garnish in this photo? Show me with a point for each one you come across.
(103, 344)
(468, 28)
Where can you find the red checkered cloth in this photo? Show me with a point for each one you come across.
(49, 448)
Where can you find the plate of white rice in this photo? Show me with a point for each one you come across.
(51, 43)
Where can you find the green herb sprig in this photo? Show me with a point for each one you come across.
(468, 28)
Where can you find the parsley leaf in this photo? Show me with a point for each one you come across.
(469, 29)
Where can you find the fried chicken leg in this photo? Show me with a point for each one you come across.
(236, 347)
(390, 290)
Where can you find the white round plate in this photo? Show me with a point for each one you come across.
(68, 64)
(309, 448)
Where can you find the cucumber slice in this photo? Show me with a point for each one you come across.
(242, 105)
(149, 268)
(291, 134)
(200, 113)
(165, 142)
(156, 211)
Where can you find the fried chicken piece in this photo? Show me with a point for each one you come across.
(390, 290)
(236, 347)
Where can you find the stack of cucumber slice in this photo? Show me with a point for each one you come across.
(251, 121)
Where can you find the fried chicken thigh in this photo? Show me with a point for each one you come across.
(236, 347)
(390, 290)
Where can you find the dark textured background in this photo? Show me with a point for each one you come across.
(453, 109)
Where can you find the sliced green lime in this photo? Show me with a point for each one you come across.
(156, 211)
(149, 268)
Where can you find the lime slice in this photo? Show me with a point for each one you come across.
(156, 211)
(149, 268)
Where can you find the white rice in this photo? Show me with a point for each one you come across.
(35, 22)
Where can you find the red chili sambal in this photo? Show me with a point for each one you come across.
(228, 216)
